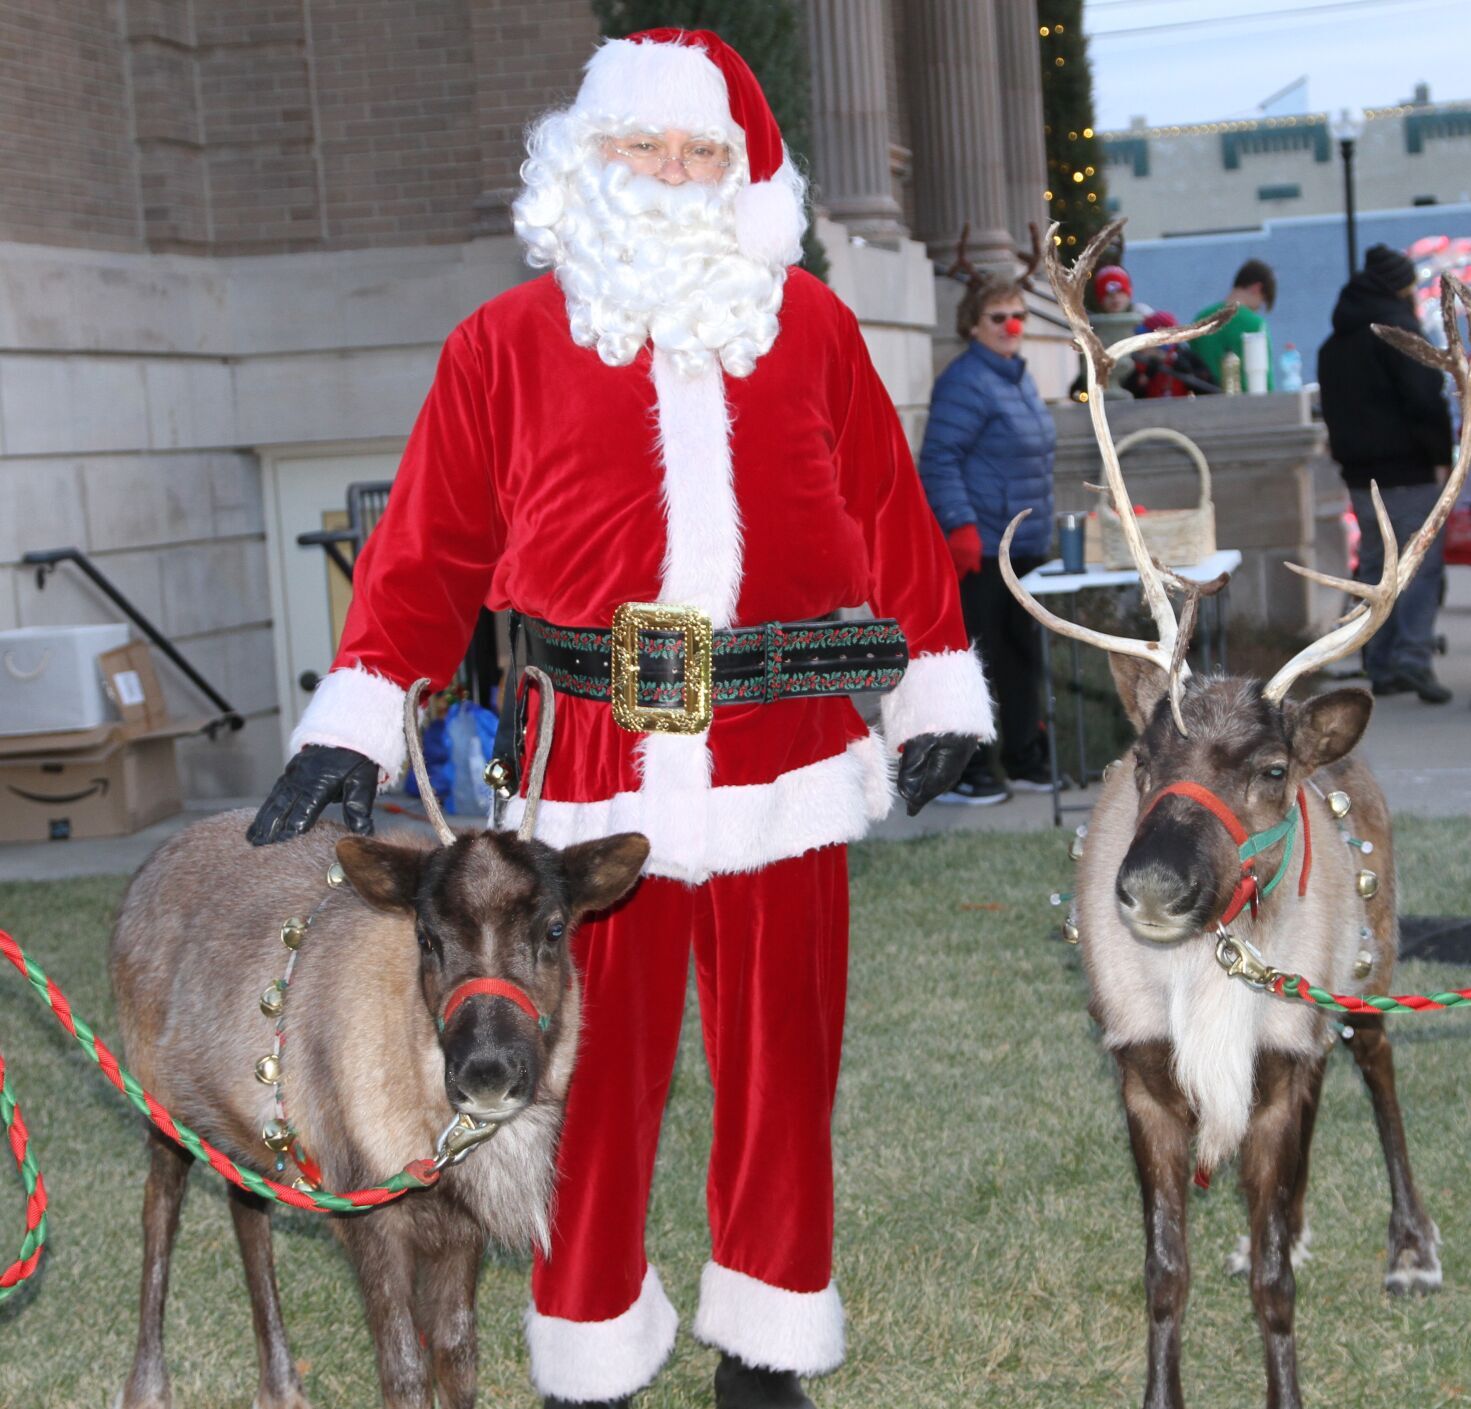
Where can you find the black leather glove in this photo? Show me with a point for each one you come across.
(931, 764)
(318, 775)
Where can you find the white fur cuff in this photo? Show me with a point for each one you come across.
(596, 1360)
(770, 1327)
(356, 709)
(944, 693)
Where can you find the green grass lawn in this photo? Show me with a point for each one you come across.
(989, 1247)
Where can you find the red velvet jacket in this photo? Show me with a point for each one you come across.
(539, 478)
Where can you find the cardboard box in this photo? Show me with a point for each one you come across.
(131, 683)
(49, 680)
(103, 782)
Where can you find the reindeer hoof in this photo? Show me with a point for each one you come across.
(1415, 1266)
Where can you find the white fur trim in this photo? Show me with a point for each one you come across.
(695, 833)
(944, 693)
(595, 1360)
(702, 550)
(770, 219)
(656, 86)
(357, 709)
(767, 1326)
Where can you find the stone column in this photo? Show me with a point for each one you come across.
(850, 118)
(958, 133)
(1025, 149)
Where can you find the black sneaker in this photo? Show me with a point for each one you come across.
(1037, 780)
(976, 792)
(1421, 679)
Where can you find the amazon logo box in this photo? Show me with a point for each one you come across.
(101, 782)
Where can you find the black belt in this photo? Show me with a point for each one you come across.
(640, 665)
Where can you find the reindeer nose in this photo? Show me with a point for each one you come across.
(492, 1080)
(1155, 902)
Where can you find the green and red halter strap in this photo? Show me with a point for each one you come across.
(1249, 890)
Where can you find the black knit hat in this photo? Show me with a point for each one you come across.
(1388, 269)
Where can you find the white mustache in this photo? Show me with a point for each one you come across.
(630, 194)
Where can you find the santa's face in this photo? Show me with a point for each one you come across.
(673, 156)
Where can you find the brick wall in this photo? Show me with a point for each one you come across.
(67, 172)
(262, 126)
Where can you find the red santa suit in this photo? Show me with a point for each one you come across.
(539, 478)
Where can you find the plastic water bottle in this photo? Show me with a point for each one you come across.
(469, 794)
(1290, 367)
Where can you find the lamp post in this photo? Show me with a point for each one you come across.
(1346, 129)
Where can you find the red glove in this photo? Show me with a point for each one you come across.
(965, 549)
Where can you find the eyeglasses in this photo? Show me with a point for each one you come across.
(702, 161)
(999, 318)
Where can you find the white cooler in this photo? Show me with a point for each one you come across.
(49, 680)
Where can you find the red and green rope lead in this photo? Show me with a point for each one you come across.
(1296, 986)
(419, 1174)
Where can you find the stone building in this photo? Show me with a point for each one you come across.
(1215, 177)
(234, 234)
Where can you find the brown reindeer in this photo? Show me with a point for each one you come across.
(1229, 789)
(385, 1044)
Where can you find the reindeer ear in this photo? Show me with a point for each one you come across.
(1327, 727)
(384, 875)
(1141, 685)
(603, 871)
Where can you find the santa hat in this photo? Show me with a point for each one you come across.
(1110, 278)
(692, 80)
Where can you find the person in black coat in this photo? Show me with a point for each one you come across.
(1388, 421)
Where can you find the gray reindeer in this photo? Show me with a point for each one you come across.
(1212, 856)
(434, 985)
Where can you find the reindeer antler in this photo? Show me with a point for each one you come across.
(1400, 565)
(1068, 285)
(432, 809)
(1029, 265)
(964, 268)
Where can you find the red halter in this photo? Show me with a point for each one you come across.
(1248, 888)
(492, 988)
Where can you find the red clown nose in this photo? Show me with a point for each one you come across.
(1012, 327)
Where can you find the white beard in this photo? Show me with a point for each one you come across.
(641, 261)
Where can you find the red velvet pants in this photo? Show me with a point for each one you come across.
(771, 953)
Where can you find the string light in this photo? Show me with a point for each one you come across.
(1044, 31)
(1078, 175)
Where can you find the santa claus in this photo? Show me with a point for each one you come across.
(674, 446)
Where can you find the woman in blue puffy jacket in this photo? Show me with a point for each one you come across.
(987, 455)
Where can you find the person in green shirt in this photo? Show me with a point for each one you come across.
(1253, 289)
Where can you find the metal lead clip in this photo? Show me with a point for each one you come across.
(459, 1137)
(1241, 959)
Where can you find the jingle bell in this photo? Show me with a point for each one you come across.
(277, 1135)
(336, 876)
(1363, 962)
(303, 1185)
(1075, 848)
(1339, 804)
(498, 777)
(1070, 931)
(293, 932)
(273, 999)
(1367, 883)
(268, 1069)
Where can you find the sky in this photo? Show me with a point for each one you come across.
(1180, 61)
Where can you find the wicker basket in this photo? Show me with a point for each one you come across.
(1174, 537)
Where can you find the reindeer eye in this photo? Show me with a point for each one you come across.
(427, 941)
(1276, 771)
(555, 931)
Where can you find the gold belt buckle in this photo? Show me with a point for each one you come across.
(693, 716)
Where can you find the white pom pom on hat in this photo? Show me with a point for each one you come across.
(693, 81)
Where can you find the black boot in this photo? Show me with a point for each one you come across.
(742, 1386)
(555, 1403)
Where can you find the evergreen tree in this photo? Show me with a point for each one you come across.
(1076, 186)
(767, 34)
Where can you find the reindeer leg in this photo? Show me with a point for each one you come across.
(280, 1387)
(1272, 1159)
(163, 1197)
(1414, 1263)
(446, 1312)
(380, 1246)
(1159, 1133)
